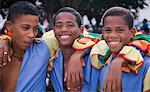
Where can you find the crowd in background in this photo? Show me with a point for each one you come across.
(45, 25)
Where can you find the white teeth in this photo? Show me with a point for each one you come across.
(64, 36)
(114, 42)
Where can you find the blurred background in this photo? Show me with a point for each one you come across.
(91, 11)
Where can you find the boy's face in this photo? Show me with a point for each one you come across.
(23, 30)
(116, 33)
(66, 28)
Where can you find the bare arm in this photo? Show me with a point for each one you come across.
(113, 78)
(74, 76)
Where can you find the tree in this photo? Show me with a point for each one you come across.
(91, 8)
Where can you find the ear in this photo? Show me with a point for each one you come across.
(133, 31)
(8, 26)
(82, 28)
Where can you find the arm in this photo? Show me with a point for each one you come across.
(128, 59)
(82, 45)
(113, 79)
(74, 76)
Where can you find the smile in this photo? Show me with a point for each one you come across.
(64, 36)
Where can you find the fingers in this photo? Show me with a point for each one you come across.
(1, 55)
(37, 41)
(81, 77)
(78, 82)
(114, 86)
(5, 57)
(68, 82)
(105, 86)
(1, 63)
(74, 82)
(109, 86)
(65, 77)
(119, 85)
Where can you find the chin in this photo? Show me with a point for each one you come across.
(115, 51)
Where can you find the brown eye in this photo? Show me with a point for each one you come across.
(25, 28)
(58, 25)
(106, 30)
(35, 28)
(70, 25)
(120, 30)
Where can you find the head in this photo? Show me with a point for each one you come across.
(117, 28)
(67, 26)
(22, 23)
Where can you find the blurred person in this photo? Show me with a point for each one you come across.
(145, 27)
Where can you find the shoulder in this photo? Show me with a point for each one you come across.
(39, 46)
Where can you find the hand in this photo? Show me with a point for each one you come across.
(113, 80)
(4, 52)
(74, 76)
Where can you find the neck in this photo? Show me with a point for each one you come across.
(67, 53)
(17, 52)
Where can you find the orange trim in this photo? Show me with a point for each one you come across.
(134, 71)
(123, 56)
(147, 90)
(95, 67)
(141, 44)
(84, 48)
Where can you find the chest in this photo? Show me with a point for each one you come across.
(10, 74)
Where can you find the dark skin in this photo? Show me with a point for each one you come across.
(12, 68)
(113, 79)
(23, 31)
(4, 48)
(117, 34)
(66, 31)
(74, 67)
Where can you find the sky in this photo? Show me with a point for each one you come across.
(145, 13)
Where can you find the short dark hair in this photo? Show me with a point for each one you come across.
(21, 8)
(72, 11)
(119, 11)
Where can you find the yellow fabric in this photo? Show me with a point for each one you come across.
(130, 54)
(147, 81)
(141, 44)
(138, 33)
(81, 46)
(52, 44)
(99, 49)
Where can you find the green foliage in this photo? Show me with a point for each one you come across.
(91, 8)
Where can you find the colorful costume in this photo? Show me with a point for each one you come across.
(32, 77)
(100, 56)
(56, 65)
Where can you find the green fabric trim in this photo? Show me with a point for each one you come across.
(142, 37)
(103, 59)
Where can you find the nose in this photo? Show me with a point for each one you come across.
(112, 35)
(64, 28)
(31, 34)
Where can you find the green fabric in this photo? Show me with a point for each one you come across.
(142, 37)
